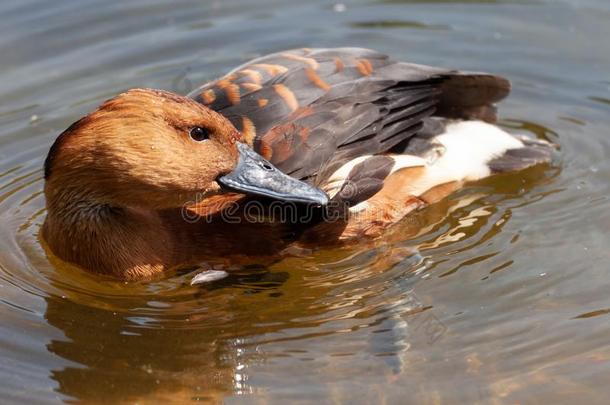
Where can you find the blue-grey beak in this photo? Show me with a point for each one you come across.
(255, 175)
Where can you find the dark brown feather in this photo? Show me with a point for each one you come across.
(364, 180)
(521, 158)
(314, 110)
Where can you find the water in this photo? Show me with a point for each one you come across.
(502, 296)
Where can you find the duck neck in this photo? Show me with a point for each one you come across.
(125, 242)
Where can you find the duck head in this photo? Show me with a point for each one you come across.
(154, 149)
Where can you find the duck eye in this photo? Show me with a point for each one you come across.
(199, 134)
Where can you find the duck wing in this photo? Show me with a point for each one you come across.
(311, 110)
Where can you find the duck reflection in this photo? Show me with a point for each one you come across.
(168, 349)
(201, 347)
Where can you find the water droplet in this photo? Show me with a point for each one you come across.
(339, 8)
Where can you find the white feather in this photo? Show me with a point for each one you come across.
(469, 146)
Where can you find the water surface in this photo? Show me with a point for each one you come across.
(502, 297)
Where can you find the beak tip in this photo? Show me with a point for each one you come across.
(321, 199)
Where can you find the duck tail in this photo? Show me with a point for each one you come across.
(532, 153)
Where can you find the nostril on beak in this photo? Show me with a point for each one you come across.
(266, 166)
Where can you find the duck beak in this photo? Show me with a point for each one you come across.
(255, 175)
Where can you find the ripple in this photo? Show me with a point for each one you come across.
(601, 100)
(593, 314)
(389, 24)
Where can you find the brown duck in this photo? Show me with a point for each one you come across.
(327, 146)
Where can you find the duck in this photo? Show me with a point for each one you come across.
(305, 147)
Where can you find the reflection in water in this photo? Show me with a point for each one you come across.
(168, 339)
(130, 358)
(200, 344)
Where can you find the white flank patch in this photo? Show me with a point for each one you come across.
(403, 161)
(469, 146)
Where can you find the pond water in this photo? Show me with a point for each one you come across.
(503, 297)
